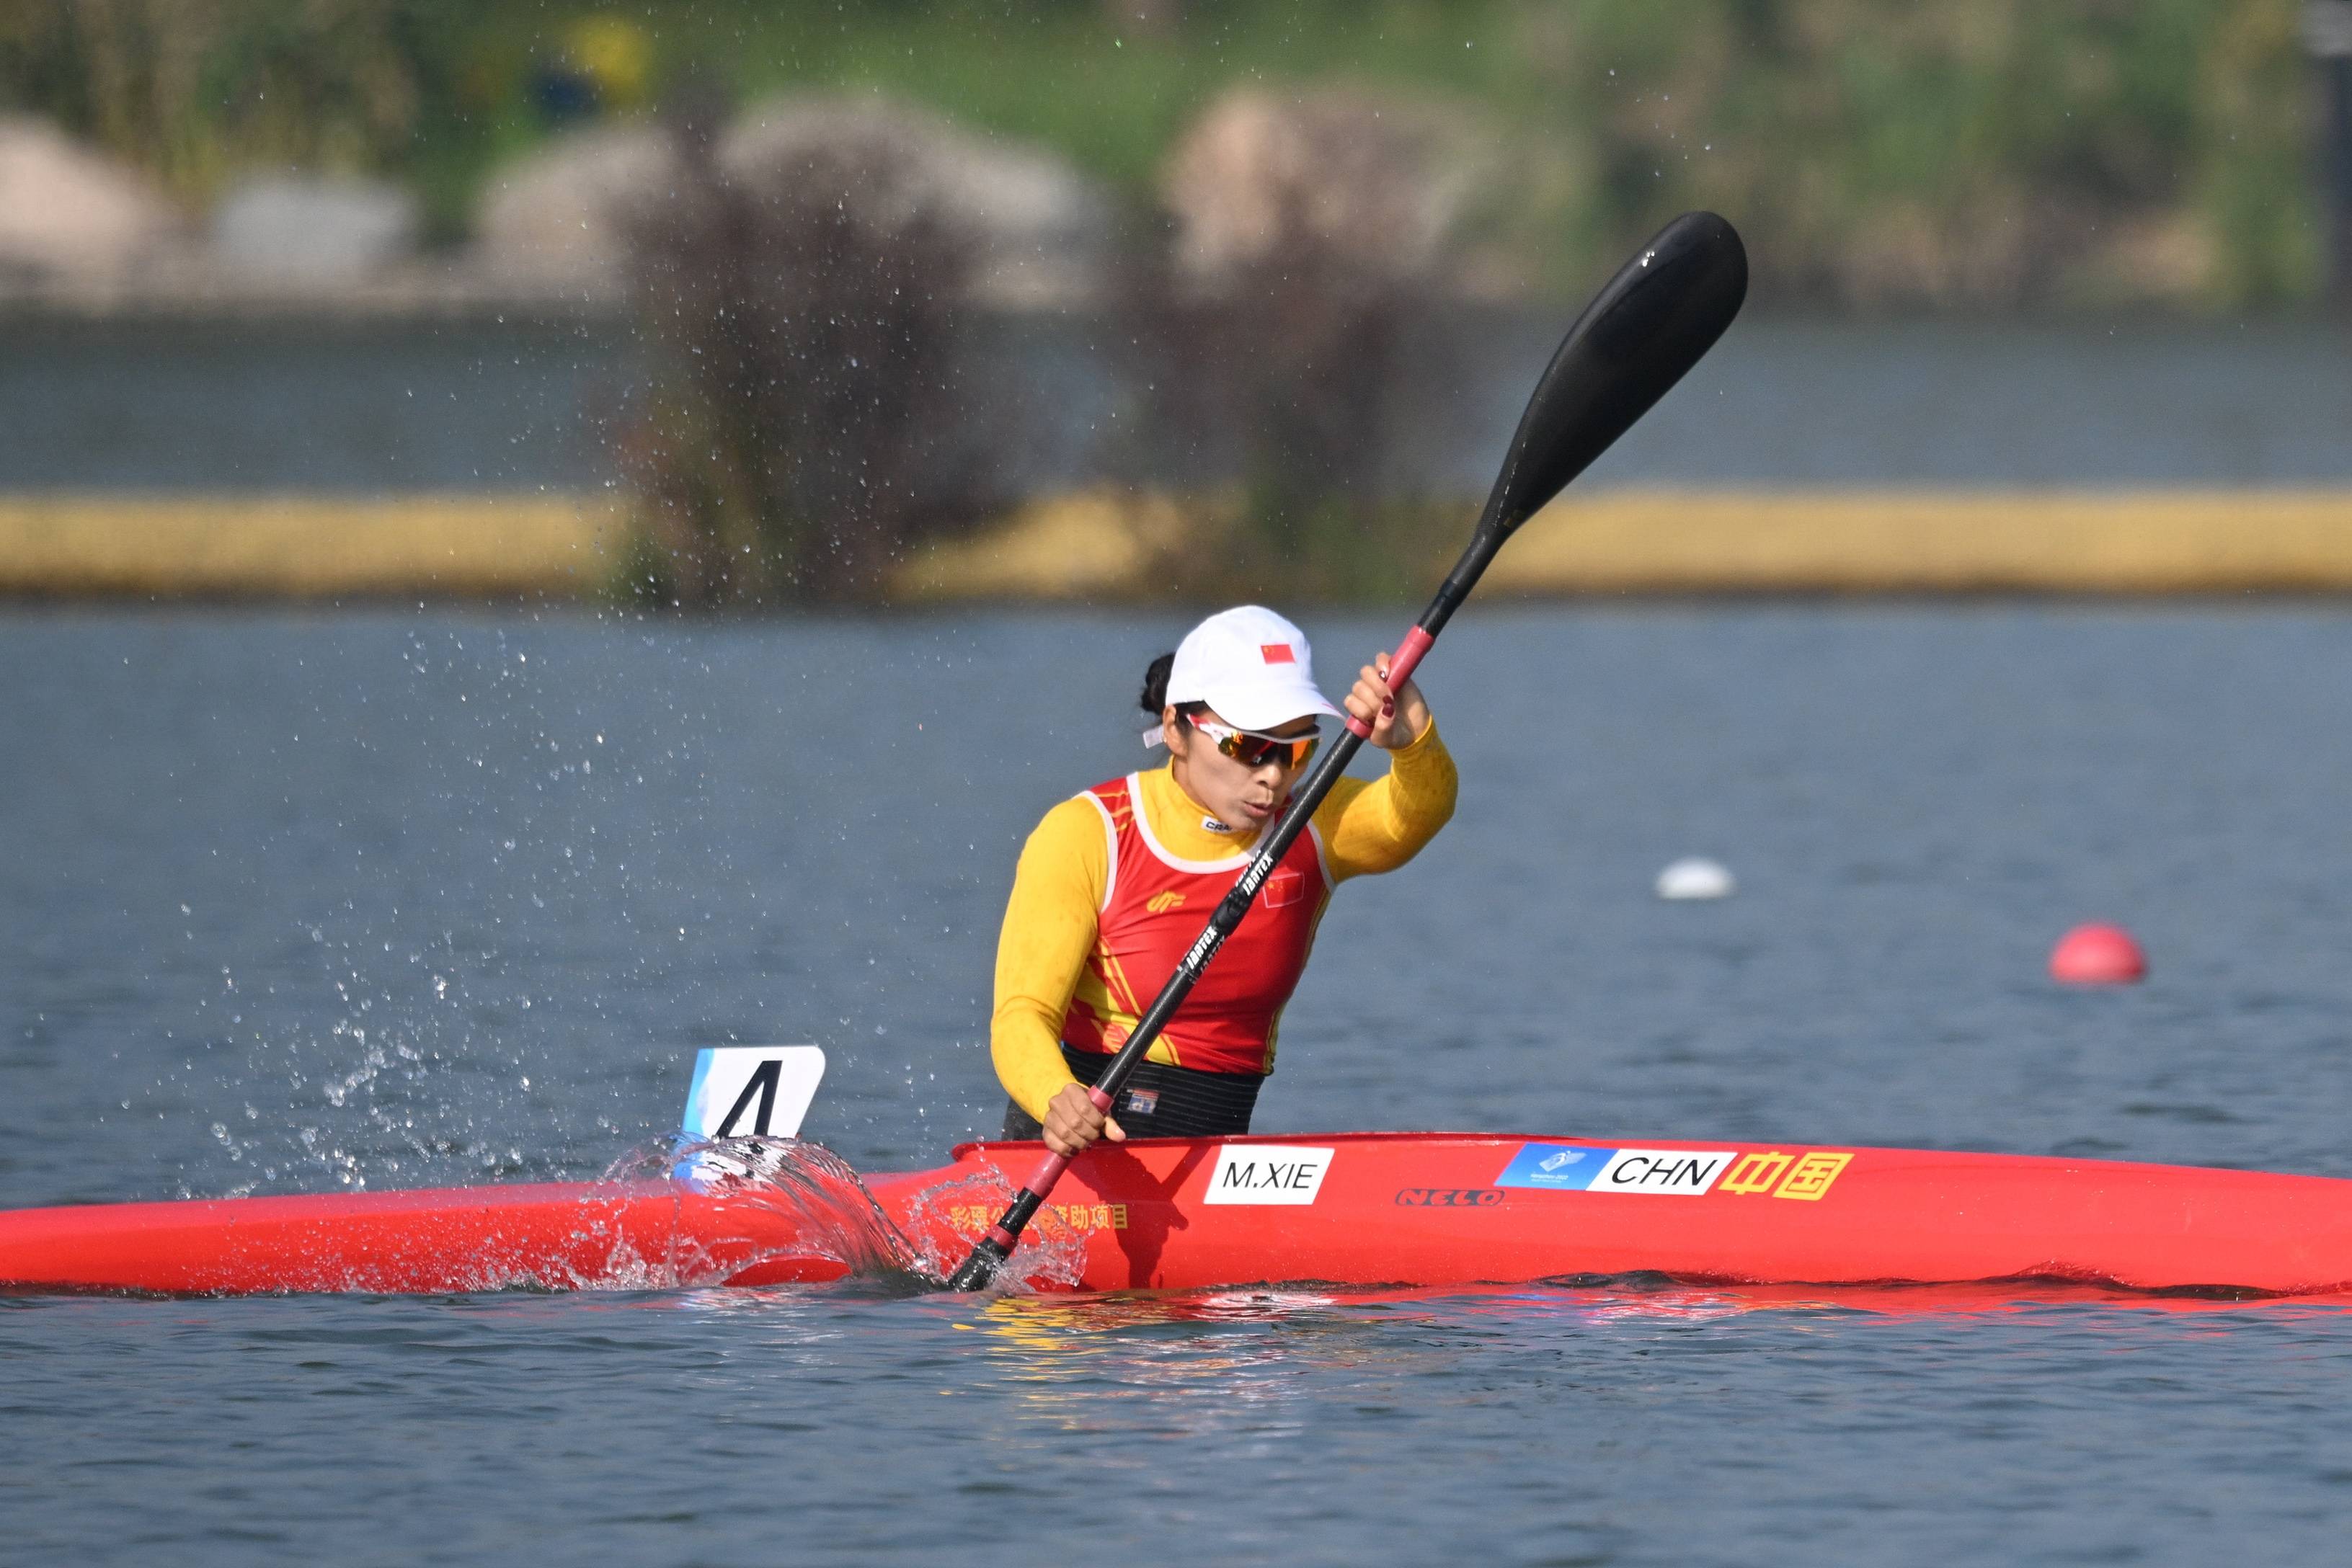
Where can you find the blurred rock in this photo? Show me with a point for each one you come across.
(69, 213)
(314, 233)
(1387, 185)
(559, 216)
(1040, 229)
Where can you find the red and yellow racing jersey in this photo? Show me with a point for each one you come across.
(1117, 882)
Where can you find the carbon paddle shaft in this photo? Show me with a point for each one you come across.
(1641, 334)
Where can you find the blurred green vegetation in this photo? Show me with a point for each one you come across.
(1990, 153)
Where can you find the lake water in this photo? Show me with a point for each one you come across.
(471, 405)
(296, 901)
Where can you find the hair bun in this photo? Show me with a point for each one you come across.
(1155, 682)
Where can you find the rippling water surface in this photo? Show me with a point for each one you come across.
(293, 903)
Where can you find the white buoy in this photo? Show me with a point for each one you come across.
(1696, 876)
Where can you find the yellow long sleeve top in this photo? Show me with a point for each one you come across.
(1367, 826)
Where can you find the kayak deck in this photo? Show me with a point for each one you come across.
(1353, 1209)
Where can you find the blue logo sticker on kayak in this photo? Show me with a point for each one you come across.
(1556, 1167)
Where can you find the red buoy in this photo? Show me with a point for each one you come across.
(2097, 954)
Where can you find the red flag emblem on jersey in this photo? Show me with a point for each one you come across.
(1276, 653)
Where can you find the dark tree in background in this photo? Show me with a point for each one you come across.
(799, 294)
(1286, 378)
(1288, 322)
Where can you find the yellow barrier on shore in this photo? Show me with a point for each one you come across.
(2038, 541)
(306, 546)
(1108, 545)
(1080, 545)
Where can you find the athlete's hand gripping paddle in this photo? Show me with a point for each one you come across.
(1662, 310)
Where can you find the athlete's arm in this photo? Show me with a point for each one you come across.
(1049, 927)
(1378, 826)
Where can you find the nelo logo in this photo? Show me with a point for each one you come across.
(1448, 1196)
(1161, 903)
(1266, 1173)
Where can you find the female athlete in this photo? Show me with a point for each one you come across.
(1117, 882)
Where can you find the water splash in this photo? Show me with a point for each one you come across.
(951, 1214)
(834, 1216)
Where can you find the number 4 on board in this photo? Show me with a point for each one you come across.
(751, 1090)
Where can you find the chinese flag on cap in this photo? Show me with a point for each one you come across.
(1276, 653)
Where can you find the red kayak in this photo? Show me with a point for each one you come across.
(1359, 1208)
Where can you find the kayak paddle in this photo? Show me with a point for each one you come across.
(1654, 321)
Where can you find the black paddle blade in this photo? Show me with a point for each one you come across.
(1657, 316)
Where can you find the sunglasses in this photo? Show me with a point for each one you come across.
(1252, 749)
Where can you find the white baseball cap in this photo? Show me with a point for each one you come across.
(1249, 665)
